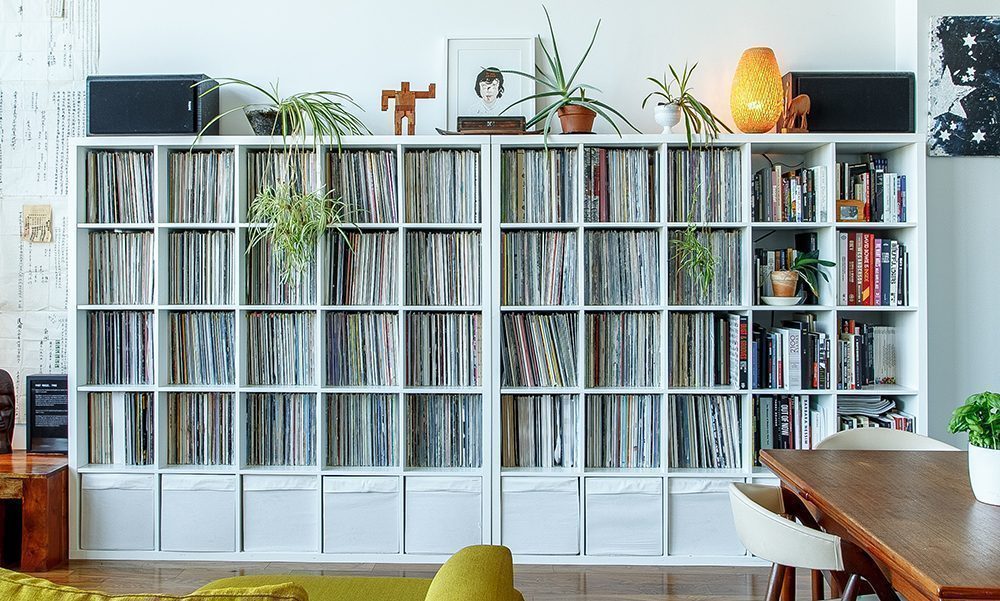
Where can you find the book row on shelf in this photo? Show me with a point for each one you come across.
(705, 185)
(445, 349)
(538, 430)
(725, 246)
(280, 429)
(443, 268)
(361, 349)
(872, 412)
(790, 196)
(442, 186)
(708, 350)
(202, 185)
(623, 267)
(119, 186)
(786, 422)
(794, 355)
(538, 186)
(874, 272)
(538, 349)
(705, 432)
(882, 193)
(361, 430)
(867, 355)
(366, 182)
(445, 430)
(620, 185)
(361, 268)
(199, 428)
(202, 348)
(199, 264)
(120, 267)
(623, 431)
(537, 268)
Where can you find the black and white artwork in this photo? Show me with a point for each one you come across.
(479, 81)
(963, 117)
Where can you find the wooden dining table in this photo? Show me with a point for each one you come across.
(913, 512)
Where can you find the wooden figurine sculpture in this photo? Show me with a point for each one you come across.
(795, 118)
(406, 104)
(6, 412)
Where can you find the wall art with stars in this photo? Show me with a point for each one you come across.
(963, 115)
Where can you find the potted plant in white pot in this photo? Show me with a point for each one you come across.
(698, 118)
(980, 417)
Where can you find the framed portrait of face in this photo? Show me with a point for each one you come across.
(477, 85)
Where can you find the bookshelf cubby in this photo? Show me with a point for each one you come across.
(503, 327)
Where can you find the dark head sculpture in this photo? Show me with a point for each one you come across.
(6, 412)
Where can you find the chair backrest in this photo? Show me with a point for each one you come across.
(765, 533)
(881, 439)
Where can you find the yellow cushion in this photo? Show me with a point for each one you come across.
(21, 587)
(338, 588)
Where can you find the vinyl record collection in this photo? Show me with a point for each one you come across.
(119, 186)
(538, 349)
(281, 429)
(874, 271)
(279, 348)
(623, 349)
(201, 186)
(882, 193)
(538, 186)
(796, 195)
(623, 430)
(137, 425)
(867, 355)
(442, 186)
(361, 430)
(361, 268)
(705, 432)
(199, 266)
(267, 284)
(705, 185)
(793, 355)
(361, 349)
(366, 181)
(444, 349)
(726, 247)
(623, 267)
(708, 350)
(121, 268)
(296, 168)
(537, 268)
(538, 430)
(139, 441)
(444, 430)
(120, 347)
(872, 412)
(621, 185)
(199, 428)
(443, 268)
(100, 428)
(202, 347)
(784, 422)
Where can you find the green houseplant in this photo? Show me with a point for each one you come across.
(290, 216)
(806, 268)
(698, 118)
(567, 98)
(693, 255)
(980, 417)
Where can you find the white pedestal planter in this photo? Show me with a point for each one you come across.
(667, 116)
(984, 472)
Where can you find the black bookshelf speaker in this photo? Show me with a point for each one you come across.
(150, 104)
(856, 102)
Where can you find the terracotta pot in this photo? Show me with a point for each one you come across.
(784, 283)
(576, 119)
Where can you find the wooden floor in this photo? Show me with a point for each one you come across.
(537, 583)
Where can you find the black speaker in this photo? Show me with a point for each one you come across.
(855, 102)
(150, 104)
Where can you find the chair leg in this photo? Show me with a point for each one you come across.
(817, 585)
(788, 589)
(775, 582)
(851, 590)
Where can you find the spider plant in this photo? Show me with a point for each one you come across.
(694, 256)
(697, 116)
(561, 88)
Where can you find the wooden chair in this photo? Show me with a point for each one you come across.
(881, 439)
(765, 522)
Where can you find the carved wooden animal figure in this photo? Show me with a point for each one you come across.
(406, 104)
(795, 118)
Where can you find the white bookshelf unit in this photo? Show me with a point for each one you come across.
(623, 498)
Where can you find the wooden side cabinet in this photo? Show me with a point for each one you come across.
(35, 487)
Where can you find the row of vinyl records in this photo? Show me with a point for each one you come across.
(882, 193)
(797, 195)
(119, 186)
(201, 348)
(867, 355)
(538, 186)
(874, 271)
(121, 268)
(708, 350)
(794, 355)
(705, 432)
(197, 261)
(538, 430)
(366, 182)
(725, 247)
(705, 185)
(202, 185)
(620, 185)
(137, 418)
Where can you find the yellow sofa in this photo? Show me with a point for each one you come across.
(480, 573)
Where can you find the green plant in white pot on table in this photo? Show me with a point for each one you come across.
(980, 417)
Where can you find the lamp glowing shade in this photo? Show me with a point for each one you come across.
(757, 98)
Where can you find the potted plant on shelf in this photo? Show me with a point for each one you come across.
(292, 217)
(568, 98)
(698, 118)
(806, 268)
(980, 417)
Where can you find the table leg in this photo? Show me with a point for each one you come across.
(817, 585)
(44, 526)
(788, 589)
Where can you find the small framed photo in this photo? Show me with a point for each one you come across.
(850, 210)
(477, 87)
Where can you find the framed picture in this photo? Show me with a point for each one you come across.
(850, 210)
(476, 85)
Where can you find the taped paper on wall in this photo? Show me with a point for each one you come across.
(37, 223)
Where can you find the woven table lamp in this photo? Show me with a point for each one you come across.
(757, 98)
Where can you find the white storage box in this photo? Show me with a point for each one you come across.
(540, 515)
(701, 519)
(443, 514)
(280, 513)
(624, 516)
(116, 512)
(361, 515)
(198, 513)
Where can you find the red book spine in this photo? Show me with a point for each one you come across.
(852, 293)
(866, 274)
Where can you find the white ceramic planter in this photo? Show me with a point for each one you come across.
(667, 116)
(984, 472)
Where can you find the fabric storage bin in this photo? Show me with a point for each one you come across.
(701, 519)
(117, 512)
(624, 516)
(540, 515)
(361, 515)
(443, 514)
(280, 513)
(197, 513)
